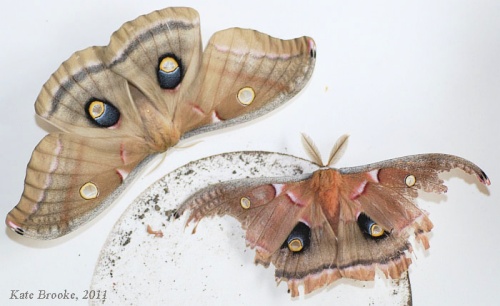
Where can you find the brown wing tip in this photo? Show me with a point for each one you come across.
(312, 46)
(483, 178)
(13, 226)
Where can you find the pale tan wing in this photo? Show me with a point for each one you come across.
(154, 62)
(114, 109)
(65, 99)
(160, 56)
(127, 92)
(126, 76)
(68, 180)
(106, 138)
(245, 74)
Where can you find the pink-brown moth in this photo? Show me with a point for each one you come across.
(150, 87)
(335, 223)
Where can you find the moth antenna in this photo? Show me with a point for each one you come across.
(311, 150)
(338, 150)
(188, 145)
(163, 156)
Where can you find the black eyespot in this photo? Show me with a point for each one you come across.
(170, 71)
(370, 228)
(102, 113)
(299, 239)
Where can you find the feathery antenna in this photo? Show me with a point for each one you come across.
(338, 150)
(311, 150)
(336, 153)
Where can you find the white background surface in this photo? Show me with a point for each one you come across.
(400, 77)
